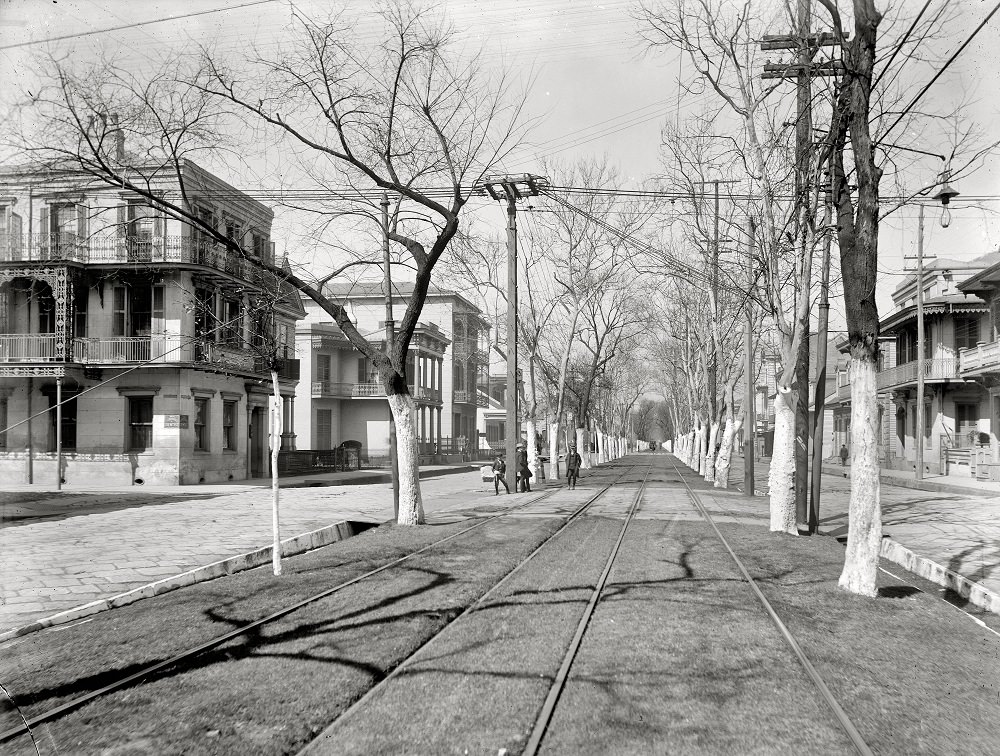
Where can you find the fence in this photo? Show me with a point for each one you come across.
(316, 461)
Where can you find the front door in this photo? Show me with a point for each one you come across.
(257, 437)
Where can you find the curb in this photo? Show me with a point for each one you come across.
(918, 485)
(376, 477)
(299, 544)
(970, 590)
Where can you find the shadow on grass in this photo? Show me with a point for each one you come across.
(255, 644)
(898, 591)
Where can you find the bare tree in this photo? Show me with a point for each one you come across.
(408, 115)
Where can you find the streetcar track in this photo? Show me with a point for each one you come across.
(28, 723)
(856, 739)
(403, 666)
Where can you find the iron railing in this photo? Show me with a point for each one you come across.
(332, 390)
(28, 347)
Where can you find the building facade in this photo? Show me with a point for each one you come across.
(344, 401)
(960, 420)
(133, 348)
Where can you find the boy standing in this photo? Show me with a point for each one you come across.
(573, 462)
(499, 475)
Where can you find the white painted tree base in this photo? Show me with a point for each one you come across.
(864, 531)
(781, 478)
(411, 506)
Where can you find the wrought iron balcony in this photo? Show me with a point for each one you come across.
(332, 390)
(936, 370)
(105, 249)
(21, 347)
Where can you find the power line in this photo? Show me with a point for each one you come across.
(938, 74)
(134, 25)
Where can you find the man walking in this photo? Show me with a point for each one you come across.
(499, 475)
(573, 462)
(523, 471)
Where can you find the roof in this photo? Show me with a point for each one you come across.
(985, 280)
(948, 303)
(375, 289)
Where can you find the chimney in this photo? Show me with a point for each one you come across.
(119, 136)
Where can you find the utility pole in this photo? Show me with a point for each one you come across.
(821, 339)
(511, 189)
(749, 485)
(803, 70)
(390, 337)
(919, 430)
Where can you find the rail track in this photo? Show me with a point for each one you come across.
(27, 724)
(539, 728)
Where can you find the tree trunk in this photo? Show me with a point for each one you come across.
(534, 461)
(725, 454)
(713, 437)
(864, 534)
(276, 426)
(554, 449)
(411, 506)
(581, 448)
(781, 477)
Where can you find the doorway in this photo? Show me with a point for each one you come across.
(257, 435)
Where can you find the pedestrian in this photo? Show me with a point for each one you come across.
(573, 462)
(843, 455)
(523, 471)
(500, 475)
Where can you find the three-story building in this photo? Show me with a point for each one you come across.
(133, 348)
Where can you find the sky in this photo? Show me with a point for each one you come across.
(595, 93)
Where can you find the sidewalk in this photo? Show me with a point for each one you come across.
(61, 551)
(947, 530)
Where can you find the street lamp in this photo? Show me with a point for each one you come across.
(944, 197)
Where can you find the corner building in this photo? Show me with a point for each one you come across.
(153, 335)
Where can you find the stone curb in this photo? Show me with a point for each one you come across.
(299, 544)
(970, 590)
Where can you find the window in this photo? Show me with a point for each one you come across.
(10, 234)
(966, 331)
(68, 418)
(140, 421)
(324, 429)
(229, 426)
(144, 225)
(323, 367)
(201, 424)
(80, 312)
(906, 347)
(232, 322)
(259, 246)
(234, 232)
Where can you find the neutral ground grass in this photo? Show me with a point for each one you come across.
(679, 658)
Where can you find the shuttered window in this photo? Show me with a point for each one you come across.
(966, 331)
(324, 429)
(323, 367)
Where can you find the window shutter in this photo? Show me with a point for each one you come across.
(82, 221)
(44, 231)
(118, 312)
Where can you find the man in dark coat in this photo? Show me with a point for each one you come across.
(500, 475)
(573, 463)
(523, 471)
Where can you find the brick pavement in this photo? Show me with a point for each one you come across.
(51, 565)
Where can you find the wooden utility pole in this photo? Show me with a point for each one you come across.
(750, 424)
(803, 70)
(819, 404)
(918, 433)
(511, 189)
(390, 337)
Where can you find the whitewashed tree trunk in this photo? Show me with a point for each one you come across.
(534, 463)
(411, 506)
(725, 460)
(702, 448)
(276, 426)
(864, 532)
(781, 477)
(693, 449)
(554, 450)
(713, 437)
(581, 448)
